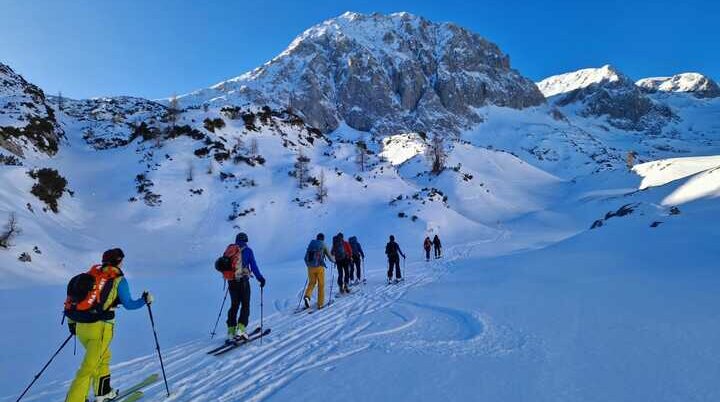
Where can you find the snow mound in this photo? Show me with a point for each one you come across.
(399, 148)
(568, 82)
(705, 182)
(698, 84)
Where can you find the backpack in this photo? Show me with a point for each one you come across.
(314, 254)
(231, 264)
(339, 249)
(427, 244)
(87, 294)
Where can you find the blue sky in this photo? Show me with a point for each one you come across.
(156, 48)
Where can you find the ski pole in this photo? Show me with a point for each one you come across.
(157, 347)
(332, 282)
(300, 299)
(212, 334)
(262, 313)
(44, 367)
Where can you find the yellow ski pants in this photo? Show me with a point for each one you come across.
(316, 276)
(96, 338)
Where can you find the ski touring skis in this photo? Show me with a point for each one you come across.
(132, 397)
(126, 394)
(229, 343)
(236, 344)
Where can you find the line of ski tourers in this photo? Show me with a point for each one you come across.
(93, 296)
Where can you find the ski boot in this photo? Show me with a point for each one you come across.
(109, 396)
(306, 300)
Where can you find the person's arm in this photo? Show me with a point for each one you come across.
(125, 299)
(400, 251)
(362, 254)
(328, 254)
(250, 258)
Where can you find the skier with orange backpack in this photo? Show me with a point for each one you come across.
(90, 310)
(427, 245)
(237, 266)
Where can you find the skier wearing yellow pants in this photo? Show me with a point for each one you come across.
(91, 317)
(315, 261)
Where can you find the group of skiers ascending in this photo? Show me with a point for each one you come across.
(92, 298)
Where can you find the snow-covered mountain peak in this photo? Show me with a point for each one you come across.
(698, 84)
(381, 73)
(568, 82)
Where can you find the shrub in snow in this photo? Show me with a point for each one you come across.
(212, 124)
(49, 188)
(10, 231)
(24, 257)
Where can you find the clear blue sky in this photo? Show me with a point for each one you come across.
(154, 48)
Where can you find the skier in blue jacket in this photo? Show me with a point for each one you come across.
(244, 267)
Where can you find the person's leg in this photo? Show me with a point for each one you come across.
(340, 275)
(234, 290)
(398, 274)
(89, 336)
(102, 375)
(244, 304)
(312, 281)
(320, 275)
(346, 268)
(358, 266)
(351, 269)
(390, 268)
(427, 254)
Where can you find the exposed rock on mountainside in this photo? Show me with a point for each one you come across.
(383, 74)
(26, 120)
(606, 92)
(694, 83)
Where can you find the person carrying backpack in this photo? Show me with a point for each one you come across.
(315, 261)
(242, 268)
(393, 252)
(343, 253)
(438, 246)
(357, 258)
(90, 310)
(427, 245)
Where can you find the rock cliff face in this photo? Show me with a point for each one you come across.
(606, 92)
(381, 73)
(26, 120)
(696, 84)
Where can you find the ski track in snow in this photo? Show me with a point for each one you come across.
(374, 317)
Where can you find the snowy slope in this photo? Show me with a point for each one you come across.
(693, 83)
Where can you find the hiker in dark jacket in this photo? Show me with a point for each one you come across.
(438, 246)
(427, 245)
(357, 258)
(342, 253)
(393, 252)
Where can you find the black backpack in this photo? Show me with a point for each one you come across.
(223, 264)
(339, 249)
(79, 287)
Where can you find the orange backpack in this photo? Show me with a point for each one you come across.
(87, 294)
(234, 253)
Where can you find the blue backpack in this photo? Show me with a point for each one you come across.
(314, 254)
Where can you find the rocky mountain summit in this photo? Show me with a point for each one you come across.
(383, 74)
(607, 92)
(694, 83)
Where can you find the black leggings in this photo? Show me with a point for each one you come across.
(239, 299)
(394, 262)
(343, 268)
(427, 253)
(437, 251)
(355, 268)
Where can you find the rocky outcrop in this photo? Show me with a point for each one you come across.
(696, 84)
(383, 74)
(27, 122)
(606, 92)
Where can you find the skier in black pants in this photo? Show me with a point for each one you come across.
(357, 258)
(243, 268)
(438, 246)
(342, 252)
(393, 252)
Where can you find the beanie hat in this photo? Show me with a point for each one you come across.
(113, 256)
(242, 237)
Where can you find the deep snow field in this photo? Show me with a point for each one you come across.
(538, 309)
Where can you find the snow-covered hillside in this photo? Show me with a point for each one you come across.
(552, 211)
(693, 83)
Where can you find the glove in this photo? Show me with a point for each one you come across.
(148, 297)
(262, 282)
(71, 328)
